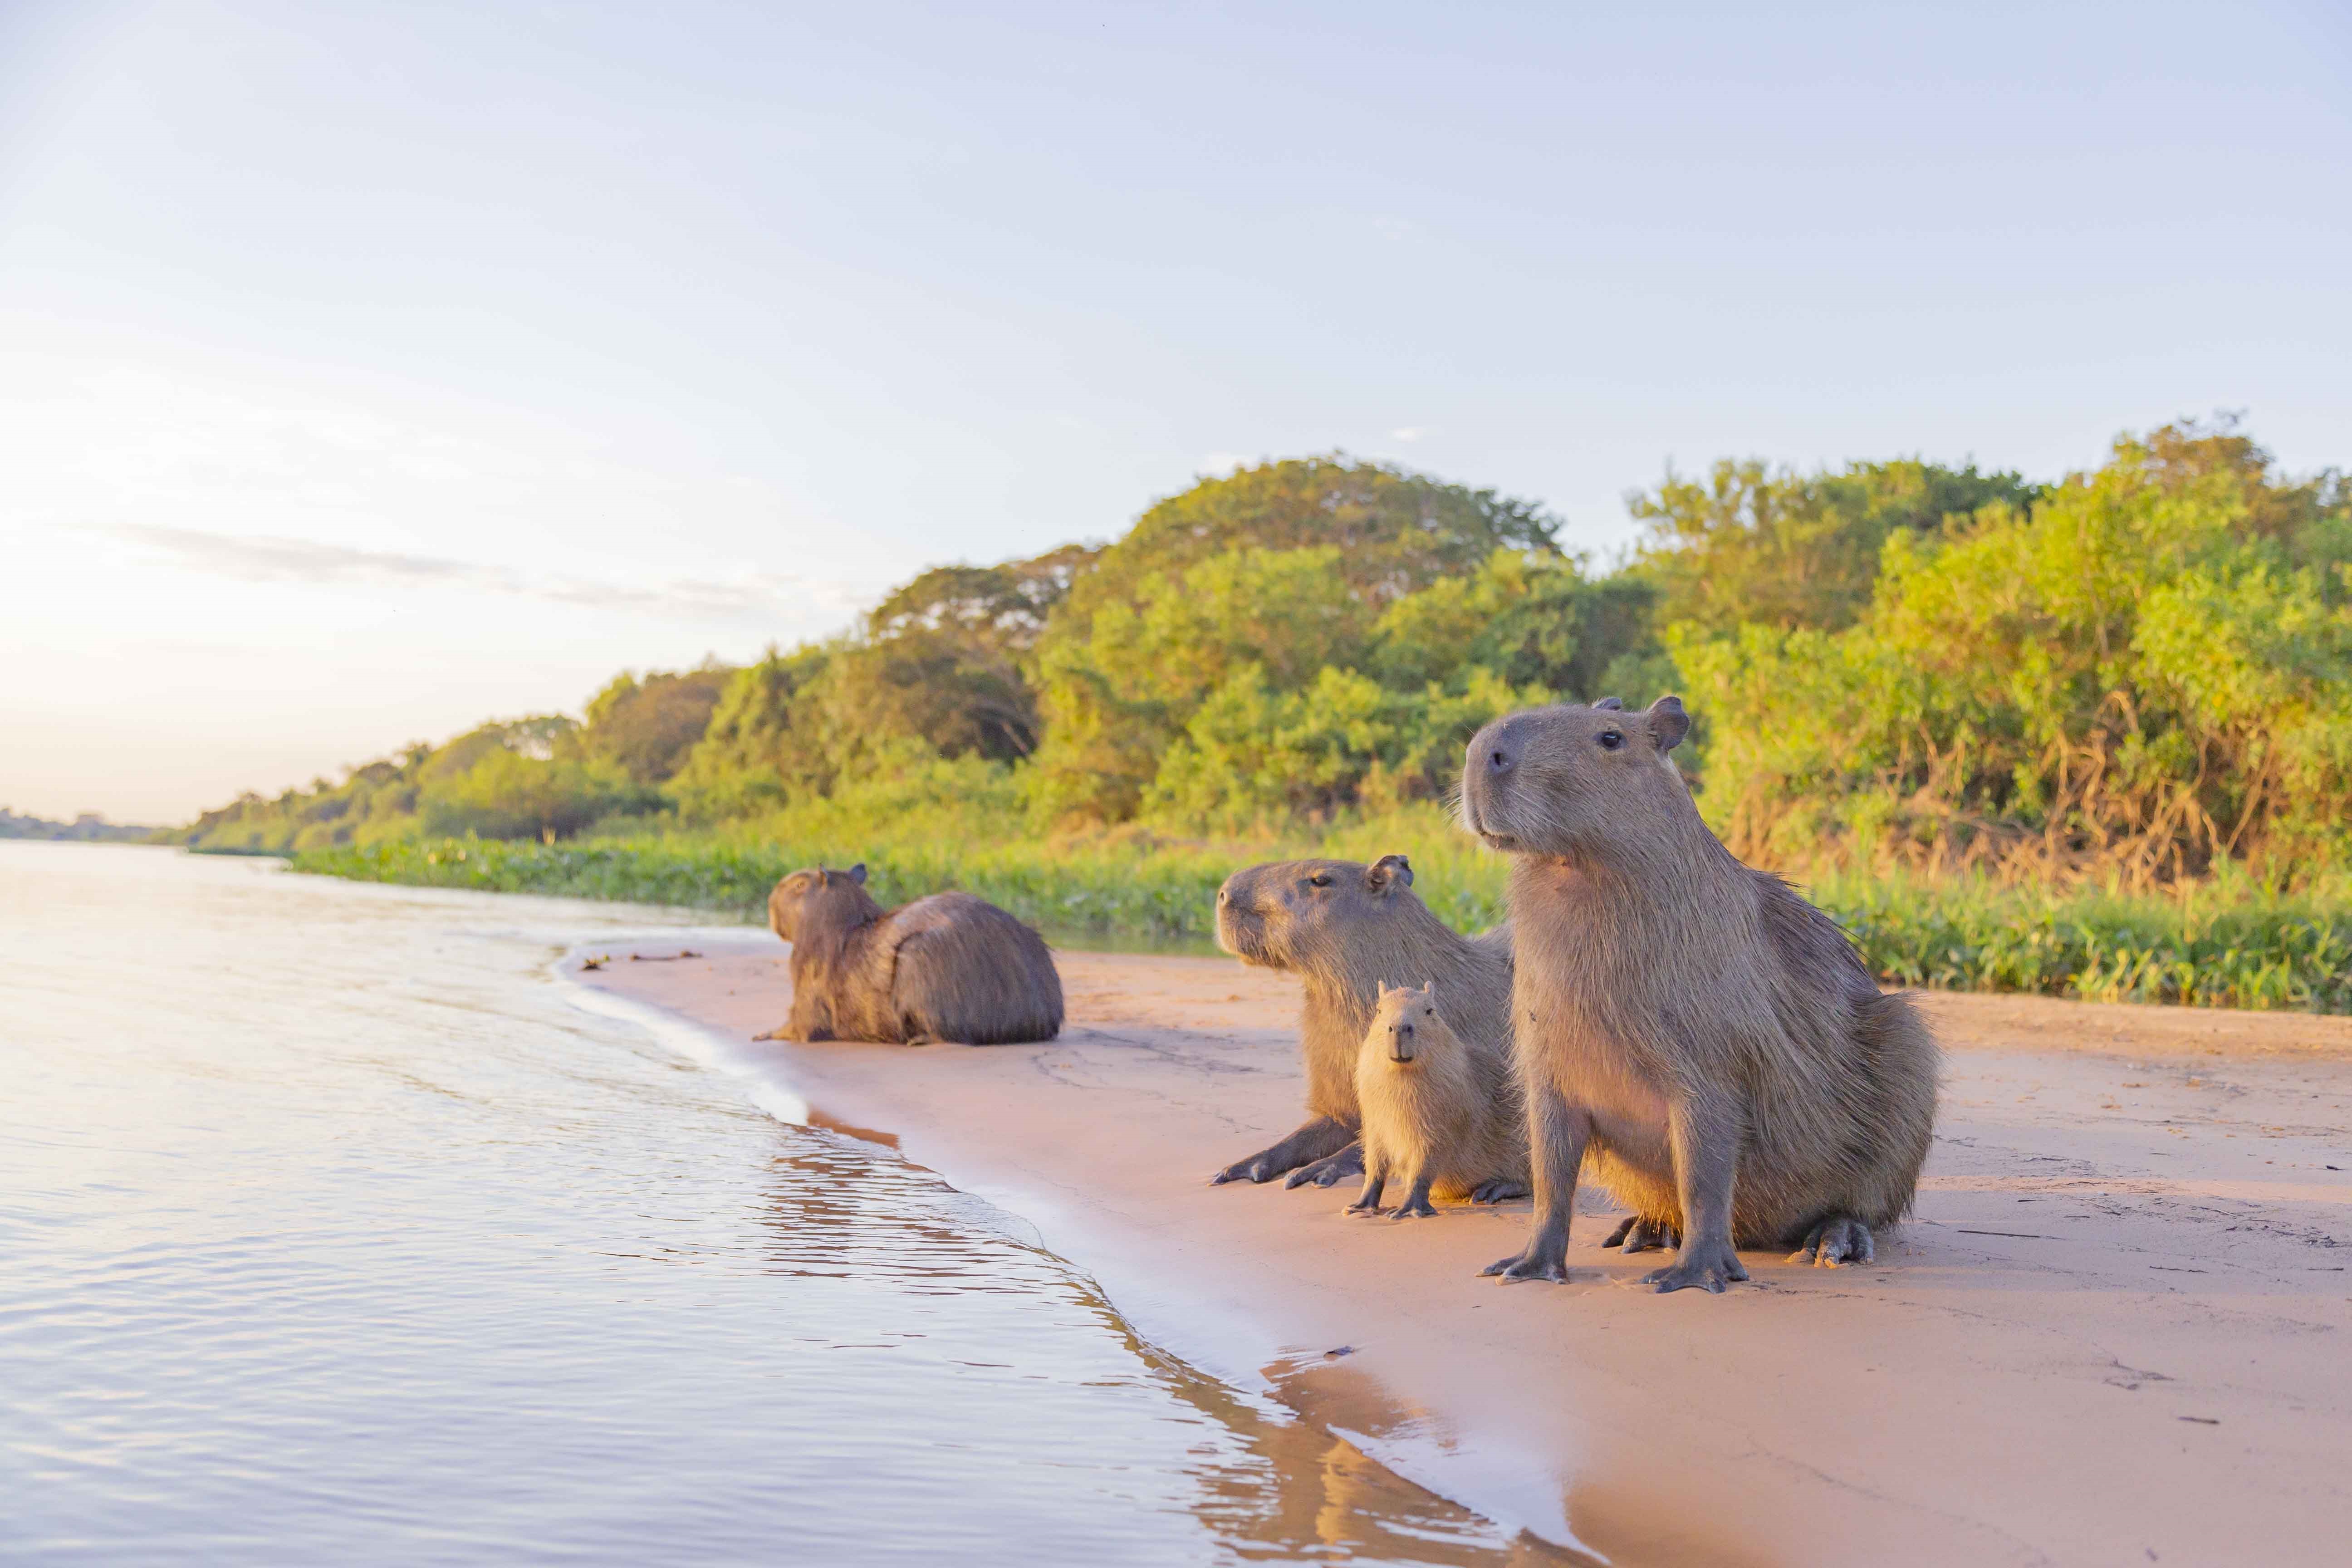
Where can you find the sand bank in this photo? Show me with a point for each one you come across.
(2116, 1333)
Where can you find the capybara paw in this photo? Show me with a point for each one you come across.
(1498, 1192)
(1840, 1239)
(1639, 1235)
(1256, 1168)
(1347, 1166)
(1414, 1208)
(1528, 1264)
(1711, 1267)
(1362, 1207)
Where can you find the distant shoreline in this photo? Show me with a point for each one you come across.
(90, 827)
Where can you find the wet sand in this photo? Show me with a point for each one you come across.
(2115, 1333)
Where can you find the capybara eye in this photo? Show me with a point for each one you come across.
(1321, 880)
(1611, 739)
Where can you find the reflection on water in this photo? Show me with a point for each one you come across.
(333, 1232)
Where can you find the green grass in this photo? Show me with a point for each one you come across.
(2216, 945)
(2221, 945)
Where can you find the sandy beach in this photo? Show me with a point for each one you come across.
(2114, 1333)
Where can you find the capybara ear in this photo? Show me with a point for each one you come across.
(1429, 988)
(1386, 869)
(823, 877)
(857, 873)
(1668, 723)
(1613, 704)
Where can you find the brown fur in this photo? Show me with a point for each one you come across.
(1706, 1038)
(1438, 1116)
(948, 967)
(1342, 927)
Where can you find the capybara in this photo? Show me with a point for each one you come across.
(1342, 926)
(1438, 1116)
(1710, 1039)
(948, 967)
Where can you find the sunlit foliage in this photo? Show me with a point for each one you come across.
(2145, 674)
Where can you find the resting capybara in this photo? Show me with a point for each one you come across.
(1342, 926)
(1437, 1115)
(1710, 1039)
(948, 967)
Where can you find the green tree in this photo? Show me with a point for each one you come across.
(647, 727)
(1312, 551)
(2149, 671)
(747, 759)
(506, 795)
(1749, 545)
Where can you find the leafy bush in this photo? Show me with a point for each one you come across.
(2145, 675)
(508, 796)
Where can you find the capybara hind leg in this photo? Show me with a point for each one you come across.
(1324, 1135)
(1640, 1234)
(1839, 1238)
(1331, 1170)
(1501, 1190)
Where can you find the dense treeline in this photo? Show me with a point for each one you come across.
(2132, 674)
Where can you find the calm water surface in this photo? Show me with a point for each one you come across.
(334, 1231)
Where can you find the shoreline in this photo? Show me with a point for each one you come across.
(2113, 1333)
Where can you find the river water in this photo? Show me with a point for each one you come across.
(336, 1229)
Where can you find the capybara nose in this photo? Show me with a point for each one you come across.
(1498, 758)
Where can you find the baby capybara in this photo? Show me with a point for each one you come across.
(1438, 1116)
(948, 967)
(1339, 926)
(1710, 1039)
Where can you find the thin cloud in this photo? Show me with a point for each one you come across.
(267, 560)
(258, 559)
(1408, 435)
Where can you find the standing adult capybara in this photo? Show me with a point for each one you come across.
(1438, 1116)
(1710, 1038)
(948, 967)
(1342, 926)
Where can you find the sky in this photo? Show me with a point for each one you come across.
(367, 370)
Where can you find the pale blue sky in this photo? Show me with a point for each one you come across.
(369, 369)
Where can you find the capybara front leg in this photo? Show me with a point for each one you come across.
(1330, 1170)
(1376, 1176)
(1704, 1136)
(1417, 1204)
(1324, 1135)
(1556, 1133)
(1839, 1238)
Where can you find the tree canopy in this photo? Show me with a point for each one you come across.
(2139, 671)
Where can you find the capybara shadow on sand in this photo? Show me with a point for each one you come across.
(946, 967)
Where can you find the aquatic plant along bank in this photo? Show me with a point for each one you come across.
(2230, 944)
